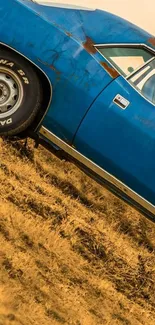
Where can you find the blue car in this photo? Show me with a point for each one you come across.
(82, 82)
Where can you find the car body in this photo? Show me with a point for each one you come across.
(100, 104)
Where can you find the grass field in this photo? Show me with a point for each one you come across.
(70, 252)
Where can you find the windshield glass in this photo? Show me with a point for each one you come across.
(144, 81)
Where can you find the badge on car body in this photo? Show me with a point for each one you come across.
(121, 101)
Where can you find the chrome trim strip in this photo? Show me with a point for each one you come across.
(61, 5)
(97, 169)
(97, 46)
(138, 45)
(139, 68)
(11, 48)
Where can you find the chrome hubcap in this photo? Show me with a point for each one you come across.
(11, 92)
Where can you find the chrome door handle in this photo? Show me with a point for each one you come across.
(120, 101)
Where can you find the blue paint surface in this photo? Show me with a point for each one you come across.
(77, 76)
(122, 142)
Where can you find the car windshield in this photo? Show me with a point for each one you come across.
(144, 81)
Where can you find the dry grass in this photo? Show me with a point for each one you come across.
(70, 253)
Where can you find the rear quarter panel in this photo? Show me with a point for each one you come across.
(76, 77)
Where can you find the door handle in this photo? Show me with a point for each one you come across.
(120, 101)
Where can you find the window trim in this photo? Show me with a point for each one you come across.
(128, 45)
(136, 45)
(139, 68)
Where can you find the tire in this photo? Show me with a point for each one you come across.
(20, 93)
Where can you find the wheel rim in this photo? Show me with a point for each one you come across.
(11, 92)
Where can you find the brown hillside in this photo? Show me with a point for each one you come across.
(70, 252)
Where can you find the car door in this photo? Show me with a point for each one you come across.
(118, 133)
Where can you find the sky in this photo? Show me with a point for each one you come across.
(140, 12)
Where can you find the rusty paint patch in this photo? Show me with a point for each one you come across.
(152, 41)
(113, 73)
(68, 34)
(89, 45)
(52, 67)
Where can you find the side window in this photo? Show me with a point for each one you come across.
(126, 59)
(144, 81)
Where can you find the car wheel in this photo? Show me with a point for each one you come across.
(20, 93)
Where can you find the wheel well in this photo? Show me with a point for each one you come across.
(46, 98)
(46, 88)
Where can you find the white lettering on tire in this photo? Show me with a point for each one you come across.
(2, 61)
(6, 62)
(6, 122)
(22, 74)
(26, 80)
